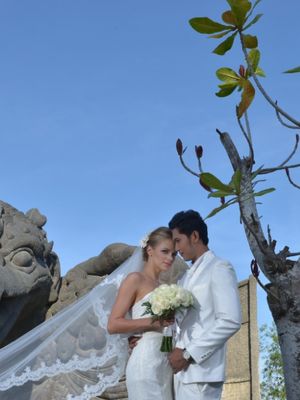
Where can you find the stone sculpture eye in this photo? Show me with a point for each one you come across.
(22, 258)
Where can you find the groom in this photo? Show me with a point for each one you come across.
(198, 360)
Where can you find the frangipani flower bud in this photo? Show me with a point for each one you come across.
(179, 147)
(199, 151)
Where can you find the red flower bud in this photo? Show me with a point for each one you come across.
(242, 71)
(179, 147)
(198, 151)
(254, 268)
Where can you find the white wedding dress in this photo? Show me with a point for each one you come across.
(148, 372)
(71, 356)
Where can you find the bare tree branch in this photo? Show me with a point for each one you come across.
(292, 153)
(255, 272)
(231, 150)
(270, 170)
(249, 141)
(187, 168)
(282, 121)
(200, 165)
(290, 179)
(269, 234)
(261, 247)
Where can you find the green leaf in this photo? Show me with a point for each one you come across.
(224, 46)
(263, 192)
(226, 90)
(218, 209)
(292, 71)
(239, 9)
(255, 19)
(206, 25)
(255, 4)
(227, 75)
(254, 57)
(247, 97)
(229, 18)
(250, 41)
(220, 193)
(252, 10)
(213, 182)
(220, 35)
(260, 72)
(236, 181)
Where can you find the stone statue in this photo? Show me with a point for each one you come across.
(29, 272)
(31, 286)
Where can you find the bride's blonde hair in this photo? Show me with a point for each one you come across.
(155, 237)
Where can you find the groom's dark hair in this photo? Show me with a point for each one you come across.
(189, 221)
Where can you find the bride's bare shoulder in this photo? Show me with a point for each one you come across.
(132, 282)
(134, 277)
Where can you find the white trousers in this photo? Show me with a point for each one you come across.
(197, 391)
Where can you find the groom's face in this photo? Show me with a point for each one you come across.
(184, 245)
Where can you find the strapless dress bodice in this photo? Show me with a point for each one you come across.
(138, 309)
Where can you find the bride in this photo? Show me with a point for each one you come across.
(148, 373)
(83, 350)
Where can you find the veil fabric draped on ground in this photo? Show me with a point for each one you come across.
(70, 356)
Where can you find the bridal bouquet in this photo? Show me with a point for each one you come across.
(163, 303)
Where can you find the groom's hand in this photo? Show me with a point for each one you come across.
(178, 363)
(132, 341)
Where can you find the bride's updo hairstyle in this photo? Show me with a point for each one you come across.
(154, 238)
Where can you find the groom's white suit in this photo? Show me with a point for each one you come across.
(206, 328)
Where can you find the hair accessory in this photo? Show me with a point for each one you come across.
(144, 241)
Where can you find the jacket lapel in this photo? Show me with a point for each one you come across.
(198, 268)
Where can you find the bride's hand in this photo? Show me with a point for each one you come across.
(162, 323)
(167, 322)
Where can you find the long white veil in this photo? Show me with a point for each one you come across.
(70, 356)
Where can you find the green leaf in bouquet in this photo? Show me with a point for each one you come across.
(148, 307)
(166, 344)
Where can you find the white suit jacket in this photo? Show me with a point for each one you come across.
(215, 317)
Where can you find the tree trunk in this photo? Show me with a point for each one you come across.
(289, 340)
(283, 274)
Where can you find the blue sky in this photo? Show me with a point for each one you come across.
(94, 94)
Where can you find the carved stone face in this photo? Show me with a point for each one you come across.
(26, 266)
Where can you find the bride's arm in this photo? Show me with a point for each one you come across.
(127, 294)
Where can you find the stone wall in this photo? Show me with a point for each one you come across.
(242, 380)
